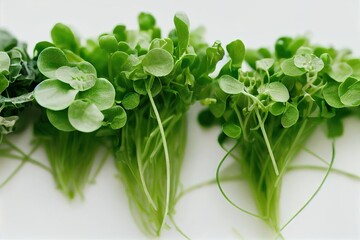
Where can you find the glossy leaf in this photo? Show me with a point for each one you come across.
(85, 116)
(265, 64)
(231, 130)
(230, 85)
(4, 62)
(290, 116)
(288, 67)
(50, 59)
(236, 50)
(131, 100)
(60, 120)
(54, 94)
(331, 95)
(340, 71)
(75, 78)
(102, 94)
(182, 26)
(63, 37)
(158, 62)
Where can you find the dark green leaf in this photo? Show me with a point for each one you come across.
(236, 50)
(231, 130)
(60, 120)
(64, 38)
(182, 26)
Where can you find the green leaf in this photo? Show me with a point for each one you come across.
(60, 120)
(231, 130)
(75, 78)
(131, 100)
(120, 32)
(340, 71)
(117, 61)
(108, 43)
(230, 85)
(277, 92)
(4, 83)
(102, 94)
(85, 116)
(349, 92)
(146, 21)
(309, 62)
(265, 64)
(4, 63)
(290, 116)
(7, 41)
(50, 59)
(140, 87)
(288, 67)
(213, 55)
(236, 50)
(166, 44)
(331, 95)
(54, 94)
(64, 38)
(277, 108)
(182, 26)
(355, 65)
(158, 62)
(116, 117)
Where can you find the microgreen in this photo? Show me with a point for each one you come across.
(271, 110)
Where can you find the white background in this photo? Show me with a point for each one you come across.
(31, 207)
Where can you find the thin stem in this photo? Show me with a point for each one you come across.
(320, 168)
(261, 124)
(17, 169)
(222, 190)
(317, 190)
(101, 165)
(167, 158)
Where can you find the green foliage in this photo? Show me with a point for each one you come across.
(272, 109)
(72, 86)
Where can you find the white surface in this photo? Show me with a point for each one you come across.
(31, 208)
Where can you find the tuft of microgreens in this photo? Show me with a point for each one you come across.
(76, 106)
(156, 80)
(17, 81)
(271, 110)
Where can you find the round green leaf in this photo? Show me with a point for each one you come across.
(146, 21)
(102, 94)
(309, 62)
(231, 130)
(331, 95)
(4, 62)
(355, 65)
(277, 108)
(288, 67)
(158, 62)
(230, 85)
(116, 117)
(108, 43)
(278, 92)
(60, 120)
(290, 116)
(85, 116)
(166, 44)
(131, 101)
(50, 59)
(340, 71)
(265, 64)
(54, 94)
(77, 79)
(349, 92)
